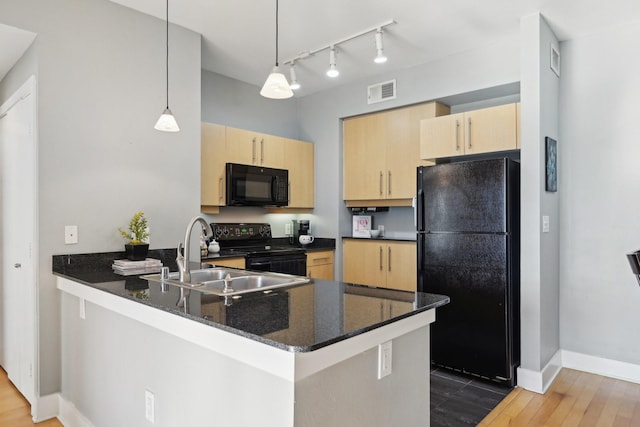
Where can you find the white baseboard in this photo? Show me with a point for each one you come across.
(45, 407)
(70, 416)
(539, 382)
(601, 366)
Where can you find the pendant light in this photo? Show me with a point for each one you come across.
(276, 86)
(294, 80)
(166, 122)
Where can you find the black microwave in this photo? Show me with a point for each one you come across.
(256, 186)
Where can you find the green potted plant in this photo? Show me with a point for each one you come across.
(137, 236)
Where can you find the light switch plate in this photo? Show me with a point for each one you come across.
(384, 359)
(545, 223)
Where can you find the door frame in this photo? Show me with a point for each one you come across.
(29, 89)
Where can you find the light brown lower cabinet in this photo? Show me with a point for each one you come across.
(380, 263)
(227, 262)
(320, 265)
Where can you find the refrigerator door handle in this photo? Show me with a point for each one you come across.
(418, 210)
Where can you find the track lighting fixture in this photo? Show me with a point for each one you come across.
(294, 81)
(166, 122)
(332, 47)
(380, 58)
(332, 71)
(276, 86)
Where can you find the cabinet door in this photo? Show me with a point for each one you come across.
(402, 270)
(212, 168)
(320, 272)
(242, 146)
(227, 262)
(270, 151)
(299, 161)
(403, 147)
(364, 157)
(442, 136)
(490, 129)
(364, 262)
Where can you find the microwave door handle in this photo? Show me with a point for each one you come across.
(274, 189)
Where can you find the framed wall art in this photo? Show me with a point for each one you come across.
(551, 161)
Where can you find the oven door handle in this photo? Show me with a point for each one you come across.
(259, 263)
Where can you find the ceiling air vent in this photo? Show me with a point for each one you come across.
(381, 92)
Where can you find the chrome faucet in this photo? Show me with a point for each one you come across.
(183, 260)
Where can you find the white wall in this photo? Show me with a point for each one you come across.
(539, 251)
(599, 176)
(101, 87)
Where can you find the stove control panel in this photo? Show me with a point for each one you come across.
(241, 232)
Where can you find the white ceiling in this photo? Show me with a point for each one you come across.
(239, 35)
(13, 43)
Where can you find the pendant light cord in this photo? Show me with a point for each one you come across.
(276, 33)
(167, 53)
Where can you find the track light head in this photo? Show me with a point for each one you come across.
(332, 71)
(380, 57)
(294, 80)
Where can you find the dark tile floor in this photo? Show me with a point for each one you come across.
(459, 400)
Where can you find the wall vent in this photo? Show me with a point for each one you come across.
(381, 92)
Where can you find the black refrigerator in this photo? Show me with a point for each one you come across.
(468, 224)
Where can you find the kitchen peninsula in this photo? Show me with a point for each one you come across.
(298, 356)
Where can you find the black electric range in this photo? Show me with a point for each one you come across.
(255, 242)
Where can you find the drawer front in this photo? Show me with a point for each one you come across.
(319, 258)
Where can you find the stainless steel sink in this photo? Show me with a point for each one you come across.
(227, 281)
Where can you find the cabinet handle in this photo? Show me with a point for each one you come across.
(469, 132)
(262, 151)
(221, 189)
(380, 258)
(389, 183)
(253, 150)
(380, 183)
(320, 259)
(457, 135)
(389, 259)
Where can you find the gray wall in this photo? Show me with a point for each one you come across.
(101, 86)
(598, 152)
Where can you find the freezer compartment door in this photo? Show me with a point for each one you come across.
(464, 197)
(474, 333)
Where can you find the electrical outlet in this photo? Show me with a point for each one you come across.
(149, 406)
(70, 234)
(545, 223)
(384, 359)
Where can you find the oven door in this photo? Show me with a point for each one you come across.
(281, 263)
(256, 186)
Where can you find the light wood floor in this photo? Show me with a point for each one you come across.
(574, 399)
(15, 411)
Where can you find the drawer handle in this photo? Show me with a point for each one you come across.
(320, 259)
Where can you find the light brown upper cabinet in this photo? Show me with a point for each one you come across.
(253, 148)
(212, 167)
(381, 151)
(473, 132)
(299, 161)
(223, 144)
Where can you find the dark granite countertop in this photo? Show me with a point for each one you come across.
(301, 318)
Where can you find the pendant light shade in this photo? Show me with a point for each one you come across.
(276, 86)
(166, 122)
